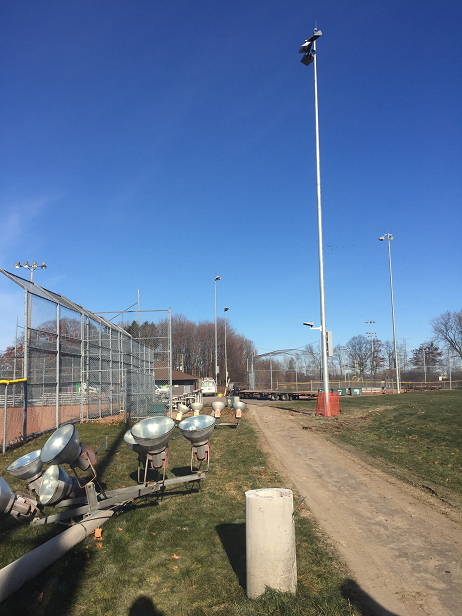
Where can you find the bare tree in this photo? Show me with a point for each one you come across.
(447, 328)
(359, 353)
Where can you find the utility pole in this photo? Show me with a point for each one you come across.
(371, 334)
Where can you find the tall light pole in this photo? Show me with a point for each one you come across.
(309, 51)
(216, 341)
(371, 334)
(398, 380)
(226, 354)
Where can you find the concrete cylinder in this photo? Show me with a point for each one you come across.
(270, 541)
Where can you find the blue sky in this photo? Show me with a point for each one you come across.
(151, 145)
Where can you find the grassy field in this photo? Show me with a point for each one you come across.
(415, 436)
(182, 554)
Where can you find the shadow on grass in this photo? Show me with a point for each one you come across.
(143, 606)
(232, 537)
(103, 463)
(363, 602)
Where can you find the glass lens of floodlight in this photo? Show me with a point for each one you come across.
(5, 494)
(62, 446)
(26, 466)
(55, 485)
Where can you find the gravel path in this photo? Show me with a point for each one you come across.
(403, 553)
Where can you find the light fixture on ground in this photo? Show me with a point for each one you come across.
(64, 446)
(398, 380)
(29, 468)
(309, 51)
(154, 433)
(57, 485)
(16, 504)
(198, 430)
(238, 406)
(218, 406)
(182, 409)
(196, 407)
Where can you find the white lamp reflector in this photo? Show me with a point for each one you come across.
(197, 406)
(62, 447)
(197, 429)
(130, 442)
(28, 467)
(56, 485)
(153, 433)
(218, 406)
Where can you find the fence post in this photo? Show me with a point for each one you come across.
(4, 419)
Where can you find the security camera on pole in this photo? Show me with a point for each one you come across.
(309, 51)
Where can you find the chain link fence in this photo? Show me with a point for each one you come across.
(80, 366)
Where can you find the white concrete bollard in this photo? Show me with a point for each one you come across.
(270, 541)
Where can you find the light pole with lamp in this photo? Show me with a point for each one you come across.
(33, 266)
(398, 381)
(309, 51)
(216, 341)
(371, 334)
(27, 317)
(226, 354)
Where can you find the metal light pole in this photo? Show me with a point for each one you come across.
(398, 380)
(371, 334)
(309, 51)
(226, 354)
(216, 341)
(424, 363)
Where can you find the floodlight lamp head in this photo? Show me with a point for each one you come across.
(43, 266)
(28, 467)
(309, 323)
(26, 264)
(306, 47)
(316, 34)
(217, 278)
(64, 447)
(17, 265)
(226, 308)
(153, 433)
(56, 485)
(197, 429)
(308, 58)
(34, 265)
(382, 238)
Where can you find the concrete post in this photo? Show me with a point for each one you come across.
(270, 541)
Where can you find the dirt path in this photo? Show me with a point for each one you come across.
(402, 552)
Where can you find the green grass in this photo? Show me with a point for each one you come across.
(135, 572)
(417, 436)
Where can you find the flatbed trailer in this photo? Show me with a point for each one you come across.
(272, 394)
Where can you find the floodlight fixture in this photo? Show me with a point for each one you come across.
(28, 468)
(239, 407)
(33, 266)
(56, 485)
(25, 264)
(198, 430)
(17, 265)
(182, 409)
(196, 407)
(226, 308)
(217, 278)
(154, 433)
(218, 406)
(309, 324)
(15, 503)
(64, 447)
